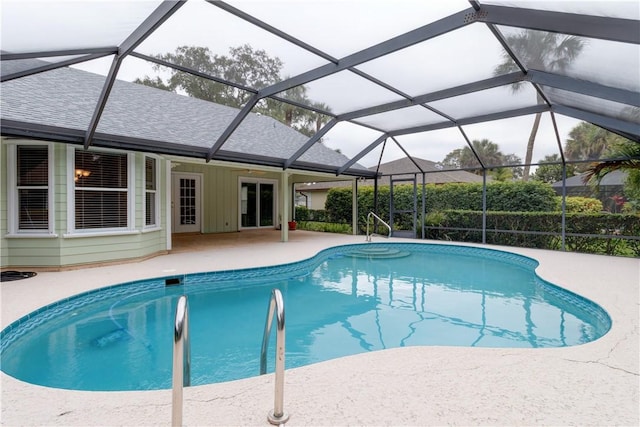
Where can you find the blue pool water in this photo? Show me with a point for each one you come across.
(346, 300)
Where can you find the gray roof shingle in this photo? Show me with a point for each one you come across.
(66, 98)
(405, 168)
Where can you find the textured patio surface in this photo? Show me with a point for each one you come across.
(591, 384)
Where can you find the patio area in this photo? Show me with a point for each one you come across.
(592, 384)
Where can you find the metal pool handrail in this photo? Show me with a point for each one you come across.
(181, 359)
(371, 214)
(277, 416)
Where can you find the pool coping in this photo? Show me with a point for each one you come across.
(590, 384)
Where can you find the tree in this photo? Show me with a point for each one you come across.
(461, 158)
(490, 155)
(589, 142)
(625, 156)
(501, 174)
(511, 160)
(245, 67)
(550, 52)
(551, 173)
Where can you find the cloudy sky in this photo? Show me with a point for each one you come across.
(338, 28)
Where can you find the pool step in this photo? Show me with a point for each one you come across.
(377, 253)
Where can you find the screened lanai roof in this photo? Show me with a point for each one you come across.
(385, 78)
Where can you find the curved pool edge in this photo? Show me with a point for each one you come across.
(296, 268)
(605, 371)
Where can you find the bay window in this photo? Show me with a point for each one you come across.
(101, 190)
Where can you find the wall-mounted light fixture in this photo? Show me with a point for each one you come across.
(81, 173)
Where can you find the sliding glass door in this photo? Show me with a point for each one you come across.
(257, 204)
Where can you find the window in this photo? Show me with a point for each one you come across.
(151, 199)
(101, 190)
(32, 188)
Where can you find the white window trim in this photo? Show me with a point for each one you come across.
(276, 215)
(71, 198)
(156, 226)
(12, 192)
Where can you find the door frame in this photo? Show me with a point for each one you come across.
(175, 227)
(276, 217)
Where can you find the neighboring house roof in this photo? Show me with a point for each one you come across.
(405, 168)
(66, 99)
(610, 179)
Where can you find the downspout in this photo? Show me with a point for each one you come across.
(306, 199)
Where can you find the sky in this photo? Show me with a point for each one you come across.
(339, 28)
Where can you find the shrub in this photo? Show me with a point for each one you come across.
(575, 204)
(502, 196)
(302, 213)
(305, 214)
(326, 227)
(339, 205)
(466, 226)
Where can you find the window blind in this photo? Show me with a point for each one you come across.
(33, 187)
(101, 185)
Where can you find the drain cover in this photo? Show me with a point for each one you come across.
(8, 276)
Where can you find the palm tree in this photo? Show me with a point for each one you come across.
(542, 51)
(625, 156)
(589, 142)
(488, 152)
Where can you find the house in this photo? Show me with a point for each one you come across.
(143, 177)
(609, 191)
(313, 195)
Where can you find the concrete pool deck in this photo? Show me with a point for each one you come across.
(591, 384)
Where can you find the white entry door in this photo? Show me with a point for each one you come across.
(185, 201)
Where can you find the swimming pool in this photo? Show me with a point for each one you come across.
(346, 300)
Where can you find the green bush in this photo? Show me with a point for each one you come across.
(326, 227)
(302, 213)
(339, 205)
(305, 214)
(514, 210)
(502, 196)
(466, 226)
(575, 204)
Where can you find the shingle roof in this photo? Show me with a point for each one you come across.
(405, 168)
(613, 178)
(66, 98)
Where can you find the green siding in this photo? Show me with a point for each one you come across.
(4, 248)
(63, 251)
(220, 190)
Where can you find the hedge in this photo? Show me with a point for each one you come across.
(501, 196)
(326, 227)
(449, 225)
